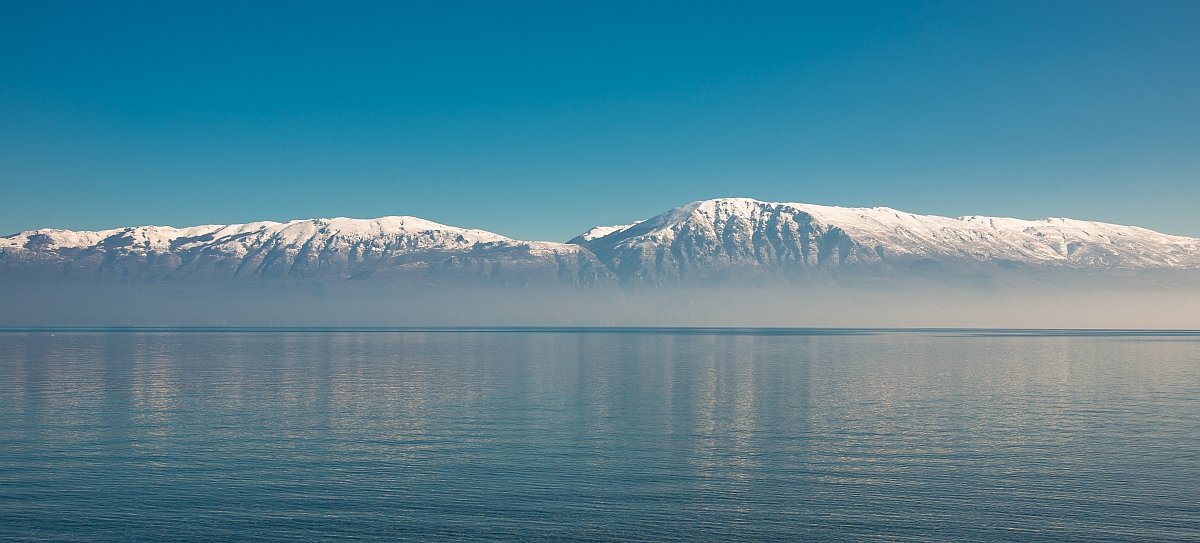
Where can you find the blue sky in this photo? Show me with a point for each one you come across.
(540, 120)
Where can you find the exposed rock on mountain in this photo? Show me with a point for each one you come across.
(722, 238)
(404, 248)
(701, 243)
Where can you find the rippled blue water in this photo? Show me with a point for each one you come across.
(576, 435)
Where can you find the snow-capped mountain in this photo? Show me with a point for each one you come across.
(408, 247)
(701, 241)
(715, 238)
(597, 232)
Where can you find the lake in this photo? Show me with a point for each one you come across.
(598, 435)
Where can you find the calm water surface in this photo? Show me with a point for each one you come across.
(326, 435)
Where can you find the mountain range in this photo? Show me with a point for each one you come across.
(704, 242)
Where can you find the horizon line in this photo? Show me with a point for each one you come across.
(648, 330)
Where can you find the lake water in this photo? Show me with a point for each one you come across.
(582, 435)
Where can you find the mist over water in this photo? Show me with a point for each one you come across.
(686, 435)
(955, 300)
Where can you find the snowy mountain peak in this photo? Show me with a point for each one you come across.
(708, 241)
(714, 238)
(303, 249)
(598, 232)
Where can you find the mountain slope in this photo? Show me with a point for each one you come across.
(721, 238)
(597, 232)
(721, 241)
(392, 247)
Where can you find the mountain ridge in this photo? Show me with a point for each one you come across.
(708, 237)
(301, 249)
(708, 240)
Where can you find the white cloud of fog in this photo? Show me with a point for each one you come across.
(1054, 301)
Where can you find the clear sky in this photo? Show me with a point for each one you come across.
(542, 120)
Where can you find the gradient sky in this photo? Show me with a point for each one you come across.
(542, 120)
